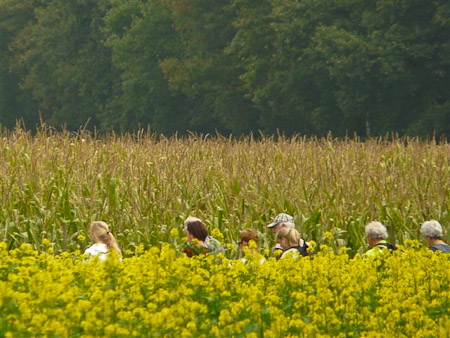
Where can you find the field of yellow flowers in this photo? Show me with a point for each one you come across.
(159, 292)
(53, 184)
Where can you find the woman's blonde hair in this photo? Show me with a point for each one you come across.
(99, 233)
(291, 235)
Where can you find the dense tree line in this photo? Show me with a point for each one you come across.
(233, 66)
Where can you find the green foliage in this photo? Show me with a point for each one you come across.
(54, 184)
(14, 16)
(307, 66)
(141, 36)
(63, 62)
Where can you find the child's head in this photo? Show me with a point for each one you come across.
(288, 237)
(247, 235)
(99, 233)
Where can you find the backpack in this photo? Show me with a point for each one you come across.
(303, 249)
(387, 246)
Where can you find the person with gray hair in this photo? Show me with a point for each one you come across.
(376, 235)
(432, 233)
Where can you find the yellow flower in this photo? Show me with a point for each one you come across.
(168, 294)
(328, 236)
(174, 232)
(217, 234)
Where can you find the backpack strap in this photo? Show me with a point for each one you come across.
(303, 249)
(388, 246)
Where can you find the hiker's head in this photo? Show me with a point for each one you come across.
(288, 237)
(99, 233)
(247, 235)
(432, 230)
(375, 232)
(195, 228)
(276, 224)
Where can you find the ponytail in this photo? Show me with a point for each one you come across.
(99, 232)
(111, 243)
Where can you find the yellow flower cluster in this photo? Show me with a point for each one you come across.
(161, 293)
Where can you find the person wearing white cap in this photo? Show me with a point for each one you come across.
(284, 221)
(279, 221)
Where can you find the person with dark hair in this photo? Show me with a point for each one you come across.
(196, 234)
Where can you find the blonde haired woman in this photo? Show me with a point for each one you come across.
(103, 239)
(289, 239)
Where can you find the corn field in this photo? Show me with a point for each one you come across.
(53, 184)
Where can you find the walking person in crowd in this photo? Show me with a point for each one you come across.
(280, 221)
(196, 234)
(285, 221)
(432, 233)
(245, 236)
(376, 236)
(103, 240)
(214, 245)
(289, 239)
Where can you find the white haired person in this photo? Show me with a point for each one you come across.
(376, 235)
(104, 241)
(432, 233)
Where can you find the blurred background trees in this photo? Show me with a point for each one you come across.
(232, 66)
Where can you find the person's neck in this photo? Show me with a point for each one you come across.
(436, 241)
(374, 242)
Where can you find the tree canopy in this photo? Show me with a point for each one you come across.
(231, 66)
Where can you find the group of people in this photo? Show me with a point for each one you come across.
(376, 237)
(288, 239)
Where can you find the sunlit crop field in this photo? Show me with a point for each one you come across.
(54, 184)
(160, 293)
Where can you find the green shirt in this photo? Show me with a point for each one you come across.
(376, 249)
